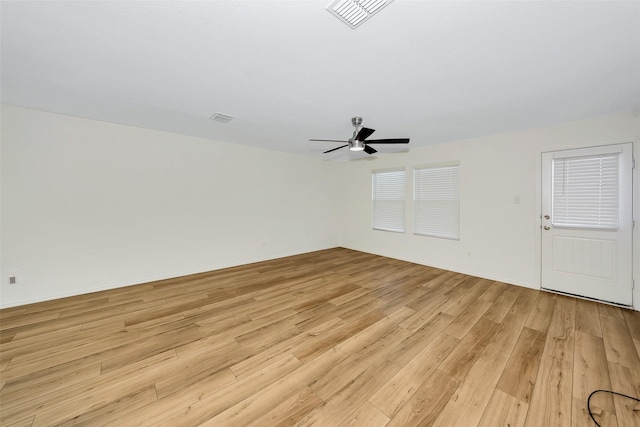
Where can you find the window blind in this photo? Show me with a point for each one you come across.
(437, 201)
(388, 200)
(585, 192)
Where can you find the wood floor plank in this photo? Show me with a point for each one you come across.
(561, 333)
(540, 315)
(504, 411)
(332, 337)
(267, 336)
(70, 391)
(82, 397)
(508, 331)
(166, 406)
(16, 322)
(29, 344)
(463, 323)
(6, 337)
(78, 345)
(122, 407)
(257, 361)
(618, 342)
(319, 344)
(401, 387)
(101, 313)
(343, 405)
(367, 416)
(369, 336)
(290, 410)
(158, 344)
(98, 405)
(47, 381)
(27, 422)
(426, 313)
(520, 374)
(406, 350)
(471, 398)
(626, 381)
(551, 400)
(258, 404)
(580, 415)
(28, 364)
(190, 370)
(610, 311)
(462, 358)
(469, 296)
(425, 298)
(494, 292)
(633, 322)
(344, 373)
(209, 406)
(503, 303)
(586, 322)
(591, 371)
(427, 402)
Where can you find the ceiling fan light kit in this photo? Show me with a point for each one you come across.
(358, 142)
(356, 145)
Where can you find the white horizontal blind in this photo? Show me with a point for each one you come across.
(585, 192)
(437, 201)
(388, 200)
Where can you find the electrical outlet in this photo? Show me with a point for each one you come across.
(13, 278)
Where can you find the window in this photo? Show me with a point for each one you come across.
(585, 192)
(387, 200)
(436, 195)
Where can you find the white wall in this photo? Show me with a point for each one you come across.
(500, 239)
(88, 205)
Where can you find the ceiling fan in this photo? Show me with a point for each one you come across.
(359, 142)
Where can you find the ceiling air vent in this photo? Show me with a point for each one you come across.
(221, 117)
(355, 12)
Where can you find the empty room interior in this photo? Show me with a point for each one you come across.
(348, 213)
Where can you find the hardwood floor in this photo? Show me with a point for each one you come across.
(330, 338)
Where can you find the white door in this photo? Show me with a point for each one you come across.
(587, 222)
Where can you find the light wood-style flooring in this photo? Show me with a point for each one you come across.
(330, 338)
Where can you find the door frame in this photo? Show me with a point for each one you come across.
(635, 234)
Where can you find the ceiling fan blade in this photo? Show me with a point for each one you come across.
(364, 134)
(329, 140)
(389, 141)
(334, 149)
(369, 150)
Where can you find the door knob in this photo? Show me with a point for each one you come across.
(547, 217)
(546, 227)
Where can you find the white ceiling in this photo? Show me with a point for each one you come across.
(434, 71)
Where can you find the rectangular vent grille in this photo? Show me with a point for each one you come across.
(355, 12)
(221, 117)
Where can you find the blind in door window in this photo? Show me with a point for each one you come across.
(387, 199)
(585, 192)
(437, 201)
